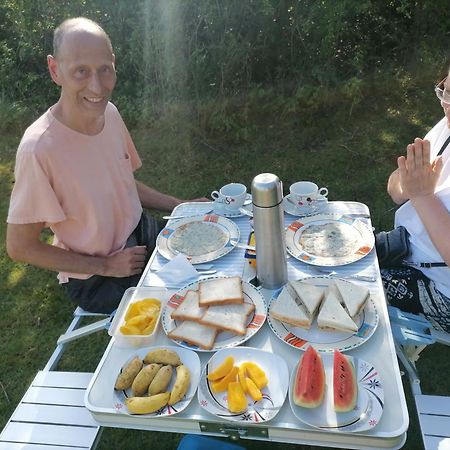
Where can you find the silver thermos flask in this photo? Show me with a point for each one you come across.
(271, 261)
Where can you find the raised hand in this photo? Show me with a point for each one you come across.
(417, 174)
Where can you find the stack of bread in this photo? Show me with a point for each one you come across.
(218, 305)
(335, 307)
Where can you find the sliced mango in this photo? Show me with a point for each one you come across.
(222, 384)
(237, 401)
(242, 376)
(253, 390)
(257, 375)
(141, 317)
(222, 370)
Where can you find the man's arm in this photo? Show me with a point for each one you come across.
(153, 199)
(23, 245)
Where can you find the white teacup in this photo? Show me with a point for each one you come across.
(306, 194)
(231, 197)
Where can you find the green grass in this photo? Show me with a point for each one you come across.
(347, 145)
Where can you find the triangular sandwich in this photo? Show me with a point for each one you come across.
(333, 316)
(354, 297)
(311, 296)
(286, 309)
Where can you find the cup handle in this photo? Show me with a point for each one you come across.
(215, 195)
(323, 191)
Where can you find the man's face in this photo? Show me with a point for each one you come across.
(445, 104)
(84, 68)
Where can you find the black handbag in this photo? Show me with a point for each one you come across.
(392, 247)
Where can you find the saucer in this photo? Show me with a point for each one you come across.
(294, 210)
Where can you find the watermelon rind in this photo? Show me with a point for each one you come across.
(345, 387)
(309, 384)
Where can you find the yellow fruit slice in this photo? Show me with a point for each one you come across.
(222, 370)
(127, 329)
(256, 374)
(222, 384)
(237, 401)
(253, 390)
(242, 376)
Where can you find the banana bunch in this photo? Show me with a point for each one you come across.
(149, 382)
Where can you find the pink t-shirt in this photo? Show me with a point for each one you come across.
(82, 187)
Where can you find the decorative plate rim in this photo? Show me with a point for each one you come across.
(231, 228)
(361, 227)
(297, 337)
(370, 389)
(255, 322)
(188, 357)
(254, 414)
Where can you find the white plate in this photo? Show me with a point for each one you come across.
(231, 230)
(224, 339)
(274, 393)
(222, 211)
(325, 341)
(294, 210)
(369, 404)
(189, 358)
(364, 239)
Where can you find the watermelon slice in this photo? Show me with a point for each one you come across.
(309, 383)
(345, 388)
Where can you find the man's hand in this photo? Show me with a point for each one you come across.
(417, 175)
(127, 262)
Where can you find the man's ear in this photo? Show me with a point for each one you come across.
(53, 69)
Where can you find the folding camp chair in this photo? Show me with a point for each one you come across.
(412, 334)
(51, 414)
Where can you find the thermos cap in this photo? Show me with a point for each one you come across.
(267, 190)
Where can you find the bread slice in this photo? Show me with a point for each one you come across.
(286, 309)
(195, 333)
(333, 316)
(220, 291)
(354, 297)
(231, 318)
(188, 309)
(311, 296)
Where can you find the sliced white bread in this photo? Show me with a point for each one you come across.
(220, 291)
(231, 318)
(285, 309)
(188, 309)
(311, 296)
(333, 316)
(195, 333)
(354, 297)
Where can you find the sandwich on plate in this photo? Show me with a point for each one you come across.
(220, 291)
(195, 333)
(189, 309)
(310, 296)
(286, 309)
(333, 316)
(231, 318)
(354, 297)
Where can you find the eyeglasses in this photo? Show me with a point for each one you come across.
(441, 93)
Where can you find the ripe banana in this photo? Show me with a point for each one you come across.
(162, 356)
(144, 378)
(161, 381)
(147, 405)
(128, 374)
(181, 384)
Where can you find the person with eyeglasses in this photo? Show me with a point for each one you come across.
(421, 185)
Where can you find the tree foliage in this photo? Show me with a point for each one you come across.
(184, 50)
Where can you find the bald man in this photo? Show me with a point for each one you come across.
(74, 175)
